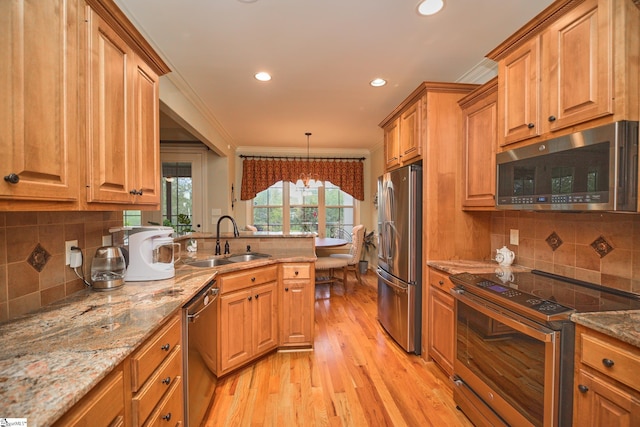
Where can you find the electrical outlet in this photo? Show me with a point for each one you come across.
(106, 240)
(67, 245)
(514, 237)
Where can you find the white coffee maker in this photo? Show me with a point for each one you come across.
(152, 254)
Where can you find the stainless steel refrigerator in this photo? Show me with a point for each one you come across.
(400, 255)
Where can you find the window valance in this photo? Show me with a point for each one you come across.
(259, 174)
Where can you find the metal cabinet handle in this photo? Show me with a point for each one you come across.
(531, 125)
(257, 295)
(167, 417)
(607, 362)
(583, 388)
(253, 279)
(165, 347)
(249, 298)
(135, 192)
(552, 118)
(166, 381)
(440, 282)
(12, 178)
(286, 289)
(296, 273)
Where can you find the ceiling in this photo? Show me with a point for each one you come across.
(322, 56)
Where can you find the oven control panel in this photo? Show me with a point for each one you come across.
(506, 295)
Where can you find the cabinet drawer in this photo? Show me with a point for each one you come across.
(170, 412)
(102, 406)
(160, 382)
(612, 360)
(243, 279)
(154, 352)
(296, 271)
(440, 280)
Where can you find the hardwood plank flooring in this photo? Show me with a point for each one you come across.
(355, 376)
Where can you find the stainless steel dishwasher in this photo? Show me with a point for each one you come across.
(199, 334)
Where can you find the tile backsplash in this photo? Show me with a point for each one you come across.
(602, 248)
(32, 255)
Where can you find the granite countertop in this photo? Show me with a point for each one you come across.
(51, 358)
(623, 325)
(473, 266)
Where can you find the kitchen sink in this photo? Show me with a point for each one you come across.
(215, 262)
(208, 263)
(247, 257)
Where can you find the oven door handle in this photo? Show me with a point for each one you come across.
(512, 320)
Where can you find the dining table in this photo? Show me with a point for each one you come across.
(329, 242)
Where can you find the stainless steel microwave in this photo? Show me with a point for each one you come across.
(595, 169)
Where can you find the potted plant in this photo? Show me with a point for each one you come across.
(367, 245)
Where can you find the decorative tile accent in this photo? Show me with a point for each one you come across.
(554, 241)
(601, 246)
(39, 258)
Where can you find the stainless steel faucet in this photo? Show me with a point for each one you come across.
(236, 233)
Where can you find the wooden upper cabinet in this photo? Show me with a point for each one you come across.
(480, 115)
(392, 144)
(573, 67)
(410, 126)
(123, 147)
(40, 49)
(578, 67)
(520, 93)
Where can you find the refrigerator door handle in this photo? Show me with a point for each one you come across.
(390, 283)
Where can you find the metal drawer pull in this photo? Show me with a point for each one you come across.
(296, 273)
(167, 417)
(286, 289)
(607, 362)
(166, 381)
(583, 388)
(165, 347)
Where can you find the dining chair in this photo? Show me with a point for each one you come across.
(353, 257)
(325, 269)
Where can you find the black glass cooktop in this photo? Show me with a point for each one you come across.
(548, 293)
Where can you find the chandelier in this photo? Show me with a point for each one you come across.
(308, 180)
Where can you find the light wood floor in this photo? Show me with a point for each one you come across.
(355, 376)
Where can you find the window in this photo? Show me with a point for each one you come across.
(284, 208)
(177, 195)
(132, 218)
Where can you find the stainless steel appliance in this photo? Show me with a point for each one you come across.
(595, 169)
(199, 340)
(515, 344)
(107, 269)
(400, 255)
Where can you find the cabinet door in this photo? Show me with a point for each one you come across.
(39, 120)
(410, 142)
(479, 152)
(392, 144)
(235, 333)
(441, 326)
(264, 311)
(296, 313)
(600, 403)
(578, 64)
(110, 144)
(518, 92)
(146, 172)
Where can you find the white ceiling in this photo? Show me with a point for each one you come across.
(322, 55)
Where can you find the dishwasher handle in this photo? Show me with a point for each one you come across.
(209, 297)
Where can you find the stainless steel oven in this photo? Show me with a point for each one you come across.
(514, 345)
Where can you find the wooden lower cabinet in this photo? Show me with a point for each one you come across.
(606, 390)
(296, 305)
(441, 320)
(104, 405)
(248, 316)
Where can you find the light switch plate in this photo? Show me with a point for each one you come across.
(106, 240)
(514, 237)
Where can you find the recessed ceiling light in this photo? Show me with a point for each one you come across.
(430, 7)
(378, 82)
(263, 76)
(247, 1)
